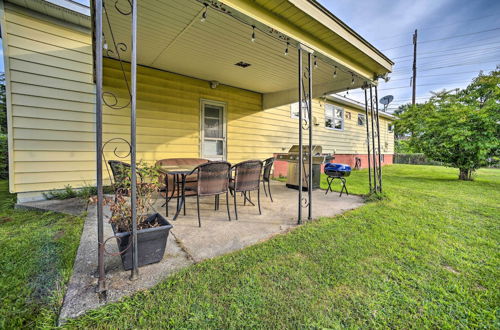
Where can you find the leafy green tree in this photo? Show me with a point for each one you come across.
(460, 128)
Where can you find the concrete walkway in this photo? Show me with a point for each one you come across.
(188, 244)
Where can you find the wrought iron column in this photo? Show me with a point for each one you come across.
(373, 141)
(368, 138)
(133, 163)
(378, 138)
(310, 126)
(300, 160)
(101, 284)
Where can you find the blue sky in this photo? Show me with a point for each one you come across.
(445, 63)
(457, 39)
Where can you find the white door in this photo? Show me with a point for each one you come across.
(213, 130)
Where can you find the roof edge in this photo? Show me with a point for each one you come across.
(349, 29)
(356, 104)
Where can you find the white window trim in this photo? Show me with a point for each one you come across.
(364, 116)
(304, 111)
(390, 127)
(342, 119)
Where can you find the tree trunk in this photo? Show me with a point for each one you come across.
(465, 174)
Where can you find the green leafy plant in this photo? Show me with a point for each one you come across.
(148, 186)
(459, 128)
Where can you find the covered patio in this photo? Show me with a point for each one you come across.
(187, 244)
(157, 66)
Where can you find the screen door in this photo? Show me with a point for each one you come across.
(213, 130)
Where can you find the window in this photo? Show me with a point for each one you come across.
(334, 117)
(390, 127)
(294, 110)
(361, 119)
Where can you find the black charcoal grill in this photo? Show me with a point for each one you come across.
(337, 171)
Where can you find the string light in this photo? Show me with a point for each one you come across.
(335, 72)
(315, 62)
(204, 15)
(104, 42)
(347, 90)
(352, 80)
(286, 50)
(253, 33)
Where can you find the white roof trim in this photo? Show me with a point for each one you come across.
(71, 5)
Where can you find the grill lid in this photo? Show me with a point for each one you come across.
(316, 149)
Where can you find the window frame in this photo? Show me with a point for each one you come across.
(333, 108)
(390, 127)
(304, 111)
(364, 119)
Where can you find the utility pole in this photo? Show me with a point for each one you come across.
(414, 78)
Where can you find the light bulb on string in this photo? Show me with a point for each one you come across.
(335, 73)
(286, 50)
(347, 90)
(104, 42)
(204, 15)
(253, 33)
(315, 62)
(352, 80)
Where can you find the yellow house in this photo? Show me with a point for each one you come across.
(215, 80)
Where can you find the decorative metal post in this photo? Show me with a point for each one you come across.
(133, 163)
(101, 284)
(309, 106)
(373, 141)
(300, 160)
(378, 138)
(368, 138)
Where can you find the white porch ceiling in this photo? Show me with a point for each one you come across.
(171, 37)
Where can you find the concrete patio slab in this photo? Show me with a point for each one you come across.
(188, 244)
(72, 206)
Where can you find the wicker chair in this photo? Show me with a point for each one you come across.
(121, 173)
(212, 179)
(246, 179)
(168, 189)
(266, 176)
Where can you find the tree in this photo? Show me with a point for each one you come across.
(460, 128)
(3, 106)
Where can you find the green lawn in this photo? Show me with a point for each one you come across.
(428, 256)
(36, 258)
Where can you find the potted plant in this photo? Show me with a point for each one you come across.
(152, 227)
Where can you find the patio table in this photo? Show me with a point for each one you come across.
(179, 172)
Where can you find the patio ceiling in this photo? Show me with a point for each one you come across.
(172, 37)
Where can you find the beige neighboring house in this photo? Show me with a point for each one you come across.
(189, 86)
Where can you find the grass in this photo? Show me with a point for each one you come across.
(425, 256)
(36, 259)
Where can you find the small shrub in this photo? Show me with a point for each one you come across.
(69, 192)
(375, 197)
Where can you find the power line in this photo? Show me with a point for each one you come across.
(454, 65)
(447, 38)
(452, 49)
(471, 52)
(437, 26)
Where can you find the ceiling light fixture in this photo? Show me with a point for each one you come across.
(204, 15)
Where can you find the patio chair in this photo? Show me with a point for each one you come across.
(168, 189)
(120, 180)
(266, 176)
(246, 179)
(212, 179)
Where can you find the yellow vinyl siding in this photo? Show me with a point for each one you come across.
(53, 116)
(52, 103)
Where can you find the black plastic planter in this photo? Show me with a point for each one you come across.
(151, 243)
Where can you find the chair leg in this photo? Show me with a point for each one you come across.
(264, 186)
(244, 198)
(269, 188)
(258, 199)
(198, 207)
(215, 202)
(235, 207)
(227, 205)
(166, 205)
